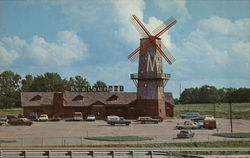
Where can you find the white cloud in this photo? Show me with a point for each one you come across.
(124, 10)
(7, 57)
(174, 7)
(67, 49)
(126, 31)
(209, 52)
(223, 26)
(9, 48)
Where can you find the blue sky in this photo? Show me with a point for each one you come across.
(93, 38)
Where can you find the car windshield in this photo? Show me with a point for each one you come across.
(184, 132)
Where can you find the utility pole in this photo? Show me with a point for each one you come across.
(231, 121)
(180, 90)
(179, 93)
(214, 110)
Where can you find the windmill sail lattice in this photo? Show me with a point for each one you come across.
(151, 38)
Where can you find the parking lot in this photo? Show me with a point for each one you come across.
(72, 133)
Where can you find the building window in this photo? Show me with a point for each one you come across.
(77, 98)
(113, 97)
(35, 98)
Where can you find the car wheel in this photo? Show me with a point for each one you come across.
(127, 124)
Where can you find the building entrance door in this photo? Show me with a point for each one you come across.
(99, 111)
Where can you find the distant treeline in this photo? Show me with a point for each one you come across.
(210, 94)
(11, 84)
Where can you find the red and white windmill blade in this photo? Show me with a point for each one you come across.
(161, 48)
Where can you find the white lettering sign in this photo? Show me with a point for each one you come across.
(150, 64)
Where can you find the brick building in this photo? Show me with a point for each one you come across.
(101, 104)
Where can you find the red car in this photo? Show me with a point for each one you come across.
(20, 121)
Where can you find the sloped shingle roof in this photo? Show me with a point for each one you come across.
(46, 99)
(88, 98)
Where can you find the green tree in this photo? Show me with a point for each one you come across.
(9, 89)
(49, 82)
(99, 85)
(77, 84)
(240, 95)
(208, 94)
(26, 83)
(185, 97)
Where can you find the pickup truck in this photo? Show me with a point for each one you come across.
(144, 120)
(121, 120)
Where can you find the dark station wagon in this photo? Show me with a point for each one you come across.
(185, 134)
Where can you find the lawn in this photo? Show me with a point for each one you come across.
(13, 111)
(239, 110)
(233, 135)
(7, 141)
(119, 138)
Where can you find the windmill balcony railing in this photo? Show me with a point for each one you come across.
(162, 76)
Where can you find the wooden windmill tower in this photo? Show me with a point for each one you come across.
(150, 79)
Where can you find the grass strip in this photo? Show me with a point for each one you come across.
(119, 138)
(233, 135)
(7, 141)
(182, 144)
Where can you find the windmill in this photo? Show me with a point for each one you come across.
(151, 38)
(150, 79)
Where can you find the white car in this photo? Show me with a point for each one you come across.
(187, 125)
(91, 118)
(43, 117)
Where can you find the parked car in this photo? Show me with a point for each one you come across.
(144, 120)
(187, 125)
(200, 124)
(90, 118)
(33, 116)
(185, 134)
(158, 117)
(3, 118)
(20, 116)
(3, 123)
(55, 118)
(121, 120)
(20, 121)
(43, 117)
(191, 115)
(78, 116)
